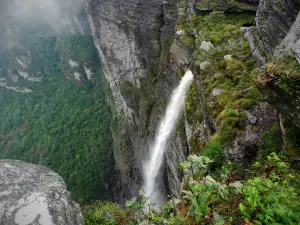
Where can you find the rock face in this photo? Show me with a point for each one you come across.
(126, 34)
(133, 39)
(227, 5)
(291, 41)
(277, 31)
(274, 19)
(32, 194)
(259, 120)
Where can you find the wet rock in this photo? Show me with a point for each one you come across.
(33, 194)
(173, 159)
(191, 8)
(188, 130)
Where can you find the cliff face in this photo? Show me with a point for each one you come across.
(277, 30)
(274, 19)
(133, 40)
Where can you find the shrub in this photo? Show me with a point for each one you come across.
(213, 151)
(103, 213)
(271, 197)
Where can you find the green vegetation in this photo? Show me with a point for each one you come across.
(103, 213)
(283, 73)
(232, 75)
(63, 125)
(271, 142)
(224, 5)
(269, 196)
(215, 190)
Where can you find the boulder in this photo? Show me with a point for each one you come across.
(34, 195)
(228, 57)
(204, 65)
(206, 46)
(180, 53)
(217, 91)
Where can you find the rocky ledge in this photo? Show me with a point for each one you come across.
(33, 194)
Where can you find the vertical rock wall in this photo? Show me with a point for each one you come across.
(133, 39)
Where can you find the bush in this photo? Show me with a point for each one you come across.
(271, 198)
(104, 214)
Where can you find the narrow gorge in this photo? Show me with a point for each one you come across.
(150, 111)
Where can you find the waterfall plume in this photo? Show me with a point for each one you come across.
(153, 165)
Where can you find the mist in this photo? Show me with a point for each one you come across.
(22, 18)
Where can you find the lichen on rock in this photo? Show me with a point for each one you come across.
(33, 194)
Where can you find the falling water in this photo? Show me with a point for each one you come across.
(157, 150)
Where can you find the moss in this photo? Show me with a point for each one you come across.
(292, 143)
(180, 73)
(229, 125)
(195, 146)
(244, 103)
(128, 87)
(193, 108)
(234, 77)
(234, 67)
(183, 5)
(188, 41)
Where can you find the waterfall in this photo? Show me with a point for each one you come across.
(156, 154)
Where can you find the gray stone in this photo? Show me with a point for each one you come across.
(180, 33)
(206, 46)
(180, 53)
(228, 57)
(252, 119)
(250, 35)
(33, 194)
(217, 91)
(204, 65)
